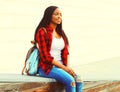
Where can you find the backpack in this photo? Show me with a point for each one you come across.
(32, 59)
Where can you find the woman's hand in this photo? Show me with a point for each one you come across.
(66, 68)
(70, 71)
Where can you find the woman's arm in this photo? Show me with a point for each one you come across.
(45, 55)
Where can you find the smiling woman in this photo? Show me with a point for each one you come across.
(93, 31)
(53, 49)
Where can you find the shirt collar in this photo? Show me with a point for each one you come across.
(49, 28)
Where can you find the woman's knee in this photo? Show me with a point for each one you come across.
(78, 79)
(71, 82)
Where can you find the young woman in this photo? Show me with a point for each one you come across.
(53, 46)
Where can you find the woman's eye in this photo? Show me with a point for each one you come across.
(58, 14)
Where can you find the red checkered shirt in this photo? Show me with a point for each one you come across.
(44, 41)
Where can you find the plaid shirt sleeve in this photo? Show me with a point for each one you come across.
(45, 55)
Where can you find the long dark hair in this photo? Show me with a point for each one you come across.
(46, 21)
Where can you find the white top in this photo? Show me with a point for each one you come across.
(56, 47)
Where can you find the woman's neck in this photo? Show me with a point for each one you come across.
(53, 26)
(54, 31)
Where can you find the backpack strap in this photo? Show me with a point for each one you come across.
(34, 42)
(44, 29)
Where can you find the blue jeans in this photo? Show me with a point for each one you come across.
(63, 77)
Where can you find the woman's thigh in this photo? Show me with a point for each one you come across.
(59, 75)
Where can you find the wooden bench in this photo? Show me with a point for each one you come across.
(24, 83)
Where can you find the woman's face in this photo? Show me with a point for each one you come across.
(56, 16)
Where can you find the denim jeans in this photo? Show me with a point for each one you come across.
(63, 77)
